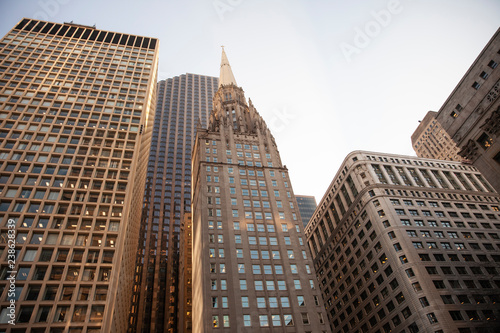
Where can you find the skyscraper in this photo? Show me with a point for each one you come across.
(182, 102)
(307, 206)
(407, 244)
(471, 114)
(430, 140)
(76, 106)
(251, 267)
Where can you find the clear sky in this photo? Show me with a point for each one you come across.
(328, 76)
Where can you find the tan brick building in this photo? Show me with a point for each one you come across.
(430, 140)
(76, 105)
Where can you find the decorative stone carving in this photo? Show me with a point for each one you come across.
(492, 124)
(469, 151)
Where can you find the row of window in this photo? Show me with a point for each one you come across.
(85, 293)
(256, 269)
(413, 177)
(457, 246)
(47, 118)
(62, 209)
(448, 224)
(276, 320)
(458, 205)
(241, 163)
(82, 239)
(40, 273)
(18, 38)
(272, 302)
(93, 256)
(262, 254)
(81, 313)
(42, 222)
(439, 195)
(469, 284)
(414, 212)
(441, 234)
(421, 163)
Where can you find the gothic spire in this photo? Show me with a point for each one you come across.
(226, 74)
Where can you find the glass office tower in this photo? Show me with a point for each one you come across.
(182, 102)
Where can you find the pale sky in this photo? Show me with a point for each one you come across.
(328, 76)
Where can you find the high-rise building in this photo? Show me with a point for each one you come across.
(307, 205)
(252, 270)
(471, 114)
(406, 244)
(430, 140)
(76, 111)
(182, 102)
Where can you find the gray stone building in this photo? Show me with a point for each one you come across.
(407, 244)
(471, 114)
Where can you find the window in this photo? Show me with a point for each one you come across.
(411, 233)
(297, 284)
(281, 285)
(261, 302)
(439, 284)
(264, 321)
(259, 285)
(288, 320)
(305, 319)
(243, 284)
(247, 322)
(492, 64)
(455, 315)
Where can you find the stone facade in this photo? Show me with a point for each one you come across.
(471, 114)
(252, 270)
(409, 244)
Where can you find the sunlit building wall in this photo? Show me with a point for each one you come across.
(252, 270)
(430, 140)
(76, 111)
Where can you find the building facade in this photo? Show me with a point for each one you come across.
(251, 266)
(76, 106)
(430, 140)
(185, 312)
(406, 244)
(471, 114)
(182, 102)
(307, 205)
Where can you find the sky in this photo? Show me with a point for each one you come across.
(328, 76)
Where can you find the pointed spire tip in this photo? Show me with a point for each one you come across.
(226, 74)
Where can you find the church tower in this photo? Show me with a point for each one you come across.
(252, 270)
